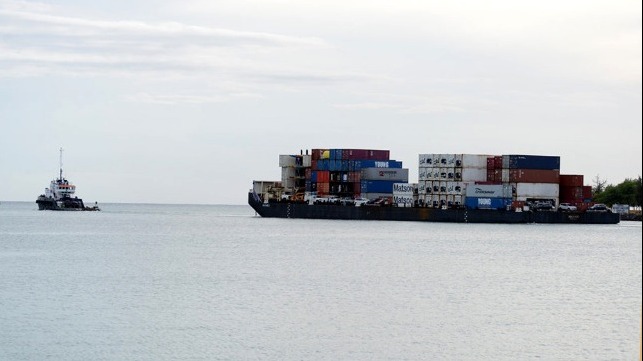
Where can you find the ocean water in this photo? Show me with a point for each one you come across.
(190, 282)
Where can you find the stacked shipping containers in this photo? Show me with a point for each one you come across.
(445, 178)
(351, 173)
(574, 192)
(533, 177)
(442, 178)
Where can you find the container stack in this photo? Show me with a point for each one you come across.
(532, 177)
(487, 181)
(442, 178)
(352, 173)
(574, 192)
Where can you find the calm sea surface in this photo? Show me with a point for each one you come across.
(174, 282)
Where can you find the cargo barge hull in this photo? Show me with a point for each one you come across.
(422, 214)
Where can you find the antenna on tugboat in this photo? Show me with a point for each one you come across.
(61, 163)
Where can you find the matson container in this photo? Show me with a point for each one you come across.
(404, 188)
(395, 174)
(571, 180)
(523, 161)
(537, 190)
(530, 175)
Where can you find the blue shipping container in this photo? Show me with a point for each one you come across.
(521, 161)
(360, 164)
(313, 176)
(487, 203)
(376, 186)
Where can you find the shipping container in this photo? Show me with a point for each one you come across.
(489, 191)
(376, 186)
(393, 174)
(316, 154)
(487, 203)
(404, 188)
(497, 162)
(587, 192)
(361, 164)
(537, 190)
(472, 175)
(571, 194)
(425, 160)
(571, 180)
(475, 161)
(530, 176)
(522, 161)
(377, 154)
(491, 165)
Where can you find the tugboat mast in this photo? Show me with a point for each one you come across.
(61, 163)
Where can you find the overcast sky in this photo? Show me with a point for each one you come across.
(189, 101)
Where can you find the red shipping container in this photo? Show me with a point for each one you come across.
(571, 180)
(323, 187)
(491, 175)
(587, 192)
(309, 173)
(490, 163)
(497, 160)
(534, 176)
(375, 154)
(571, 193)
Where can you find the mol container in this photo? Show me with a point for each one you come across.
(487, 203)
(522, 161)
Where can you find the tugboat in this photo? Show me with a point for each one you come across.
(60, 195)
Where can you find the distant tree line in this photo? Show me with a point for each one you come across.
(627, 192)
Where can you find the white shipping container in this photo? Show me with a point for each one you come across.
(307, 161)
(450, 160)
(425, 160)
(475, 161)
(458, 160)
(443, 188)
(457, 199)
(399, 199)
(393, 174)
(489, 190)
(436, 160)
(403, 189)
(421, 187)
(473, 174)
(423, 173)
(536, 190)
